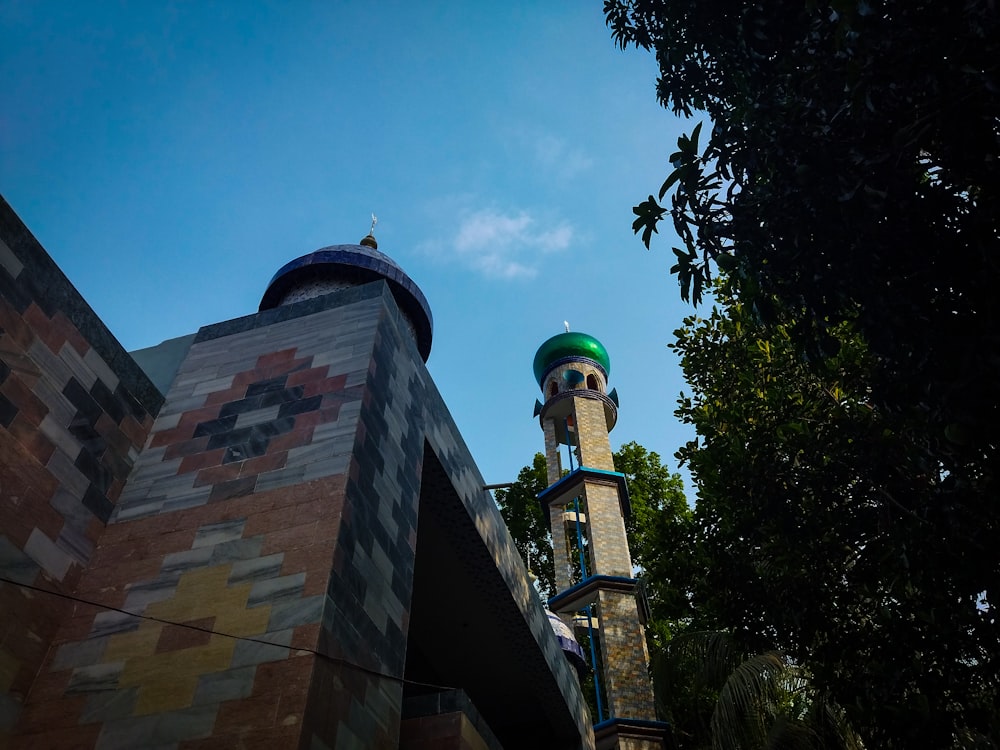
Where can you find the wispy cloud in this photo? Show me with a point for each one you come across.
(558, 157)
(502, 245)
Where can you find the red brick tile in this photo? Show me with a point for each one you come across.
(289, 538)
(245, 715)
(306, 636)
(13, 325)
(282, 368)
(49, 686)
(43, 328)
(301, 377)
(245, 378)
(315, 556)
(70, 333)
(205, 413)
(182, 448)
(335, 384)
(284, 356)
(125, 552)
(28, 404)
(290, 440)
(217, 474)
(172, 435)
(186, 635)
(199, 461)
(63, 731)
(175, 541)
(28, 435)
(269, 462)
(135, 431)
(317, 579)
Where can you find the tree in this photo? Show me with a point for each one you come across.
(848, 189)
(808, 548)
(528, 524)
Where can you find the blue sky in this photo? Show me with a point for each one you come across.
(171, 156)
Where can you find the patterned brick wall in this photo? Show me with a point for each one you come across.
(74, 413)
(252, 577)
(220, 548)
(623, 642)
(592, 432)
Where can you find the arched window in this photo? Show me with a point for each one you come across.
(553, 388)
(592, 382)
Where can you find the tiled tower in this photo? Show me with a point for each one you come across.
(587, 508)
(265, 534)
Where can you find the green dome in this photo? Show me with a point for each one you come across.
(570, 344)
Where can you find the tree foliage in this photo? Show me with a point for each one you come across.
(847, 391)
(528, 525)
(805, 518)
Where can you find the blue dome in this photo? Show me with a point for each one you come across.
(568, 643)
(351, 265)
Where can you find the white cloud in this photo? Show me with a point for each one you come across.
(502, 245)
(556, 156)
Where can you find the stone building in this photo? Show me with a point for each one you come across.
(268, 533)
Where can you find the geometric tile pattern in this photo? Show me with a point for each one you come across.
(226, 527)
(239, 420)
(275, 499)
(70, 430)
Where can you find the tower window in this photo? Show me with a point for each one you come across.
(592, 382)
(553, 389)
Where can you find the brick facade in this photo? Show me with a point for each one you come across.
(242, 550)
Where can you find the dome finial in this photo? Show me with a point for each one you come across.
(369, 240)
(566, 323)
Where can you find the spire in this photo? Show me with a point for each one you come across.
(369, 239)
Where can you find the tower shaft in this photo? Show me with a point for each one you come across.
(587, 508)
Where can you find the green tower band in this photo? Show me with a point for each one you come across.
(587, 503)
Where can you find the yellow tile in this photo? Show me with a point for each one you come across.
(124, 646)
(243, 622)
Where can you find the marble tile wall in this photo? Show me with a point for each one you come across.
(74, 414)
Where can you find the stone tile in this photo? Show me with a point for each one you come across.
(253, 652)
(79, 654)
(75, 543)
(133, 510)
(276, 589)
(95, 678)
(179, 562)
(292, 614)
(251, 418)
(237, 550)
(109, 623)
(146, 592)
(16, 565)
(280, 478)
(256, 569)
(217, 533)
(64, 470)
(48, 555)
(230, 685)
(81, 370)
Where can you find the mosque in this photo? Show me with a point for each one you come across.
(269, 533)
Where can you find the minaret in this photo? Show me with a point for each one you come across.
(587, 508)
